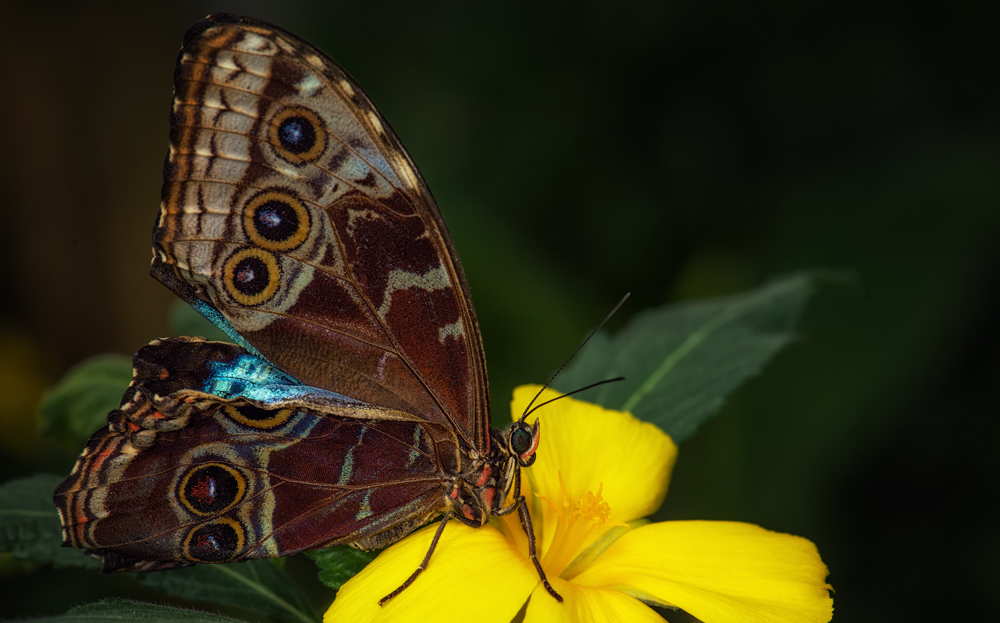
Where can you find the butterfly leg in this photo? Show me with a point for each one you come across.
(522, 509)
(423, 563)
(521, 505)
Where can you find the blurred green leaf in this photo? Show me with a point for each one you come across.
(255, 584)
(29, 524)
(681, 361)
(122, 609)
(79, 403)
(184, 320)
(340, 563)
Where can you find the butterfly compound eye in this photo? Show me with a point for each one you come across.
(523, 442)
(520, 441)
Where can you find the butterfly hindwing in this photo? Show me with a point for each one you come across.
(183, 476)
(293, 217)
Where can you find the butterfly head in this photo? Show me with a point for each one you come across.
(522, 441)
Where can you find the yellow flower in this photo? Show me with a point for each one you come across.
(597, 474)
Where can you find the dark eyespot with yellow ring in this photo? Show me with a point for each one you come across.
(251, 276)
(298, 135)
(276, 221)
(255, 417)
(214, 542)
(211, 488)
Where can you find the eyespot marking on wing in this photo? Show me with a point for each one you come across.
(298, 135)
(276, 221)
(255, 417)
(211, 488)
(214, 542)
(251, 276)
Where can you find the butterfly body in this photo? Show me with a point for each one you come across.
(354, 405)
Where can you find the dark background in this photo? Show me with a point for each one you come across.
(674, 150)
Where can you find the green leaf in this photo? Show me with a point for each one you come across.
(681, 361)
(79, 403)
(108, 610)
(255, 584)
(29, 524)
(340, 563)
(184, 320)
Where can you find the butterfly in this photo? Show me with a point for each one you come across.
(353, 406)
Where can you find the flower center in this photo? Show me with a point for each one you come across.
(593, 507)
(578, 524)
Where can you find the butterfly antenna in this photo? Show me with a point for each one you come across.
(528, 409)
(568, 394)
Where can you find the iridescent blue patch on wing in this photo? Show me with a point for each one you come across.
(215, 317)
(245, 374)
(252, 377)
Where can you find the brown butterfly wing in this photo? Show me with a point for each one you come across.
(292, 213)
(181, 476)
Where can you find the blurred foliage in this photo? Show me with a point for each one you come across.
(680, 362)
(126, 610)
(79, 404)
(29, 524)
(674, 150)
(340, 563)
(22, 382)
(255, 585)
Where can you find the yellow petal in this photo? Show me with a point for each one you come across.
(585, 603)
(590, 446)
(723, 572)
(474, 571)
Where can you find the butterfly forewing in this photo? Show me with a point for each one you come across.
(291, 209)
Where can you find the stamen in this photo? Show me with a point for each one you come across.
(593, 507)
(577, 525)
(574, 529)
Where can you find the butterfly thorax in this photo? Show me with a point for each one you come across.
(481, 490)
